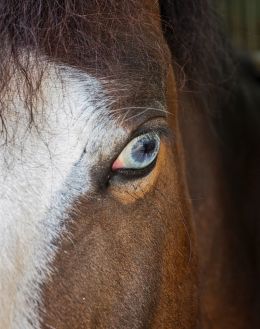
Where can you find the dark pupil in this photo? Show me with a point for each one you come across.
(143, 149)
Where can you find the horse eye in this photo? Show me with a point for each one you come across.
(138, 155)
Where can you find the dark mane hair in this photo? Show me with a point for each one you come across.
(94, 35)
(200, 49)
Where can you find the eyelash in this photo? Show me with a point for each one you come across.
(162, 131)
(135, 173)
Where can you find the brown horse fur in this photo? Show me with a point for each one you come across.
(179, 255)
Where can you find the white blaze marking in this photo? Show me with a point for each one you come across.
(33, 169)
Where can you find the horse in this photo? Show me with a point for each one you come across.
(128, 168)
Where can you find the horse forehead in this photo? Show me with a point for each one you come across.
(40, 178)
(70, 112)
(35, 162)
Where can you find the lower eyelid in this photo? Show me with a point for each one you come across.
(128, 188)
(127, 174)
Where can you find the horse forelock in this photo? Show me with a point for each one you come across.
(111, 41)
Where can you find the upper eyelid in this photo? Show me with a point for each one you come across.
(162, 131)
(160, 128)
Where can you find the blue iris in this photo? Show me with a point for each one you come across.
(141, 151)
(144, 149)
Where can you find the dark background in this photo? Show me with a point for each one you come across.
(241, 21)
